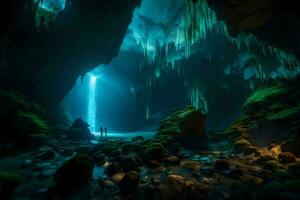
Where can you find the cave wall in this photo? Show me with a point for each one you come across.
(44, 62)
(274, 21)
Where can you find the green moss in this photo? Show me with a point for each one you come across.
(273, 165)
(263, 94)
(286, 113)
(282, 174)
(9, 182)
(242, 142)
(153, 151)
(33, 123)
(288, 186)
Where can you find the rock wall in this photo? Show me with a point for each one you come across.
(274, 21)
(43, 58)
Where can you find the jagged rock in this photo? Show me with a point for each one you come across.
(99, 25)
(79, 131)
(128, 185)
(73, 174)
(286, 157)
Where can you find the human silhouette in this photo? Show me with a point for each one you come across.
(105, 131)
(101, 131)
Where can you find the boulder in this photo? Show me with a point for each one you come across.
(73, 174)
(152, 164)
(153, 151)
(286, 157)
(263, 159)
(79, 131)
(186, 126)
(129, 184)
(221, 165)
(128, 164)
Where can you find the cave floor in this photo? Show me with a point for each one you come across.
(215, 173)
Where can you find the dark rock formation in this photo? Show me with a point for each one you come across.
(186, 126)
(274, 21)
(42, 55)
(73, 174)
(79, 131)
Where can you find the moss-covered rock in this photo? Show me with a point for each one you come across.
(185, 126)
(153, 151)
(273, 165)
(74, 174)
(241, 145)
(9, 182)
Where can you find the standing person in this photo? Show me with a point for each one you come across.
(101, 131)
(105, 131)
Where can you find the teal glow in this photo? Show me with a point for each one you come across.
(52, 5)
(92, 103)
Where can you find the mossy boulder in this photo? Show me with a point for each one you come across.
(9, 182)
(185, 126)
(273, 165)
(74, 174)
(241, 145)
(153, 151)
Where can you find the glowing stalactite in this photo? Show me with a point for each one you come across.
(92, 103)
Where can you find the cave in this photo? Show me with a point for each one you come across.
(149, 99)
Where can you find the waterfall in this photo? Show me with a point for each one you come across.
(92, 103)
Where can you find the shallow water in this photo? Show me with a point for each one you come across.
(126, 135)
